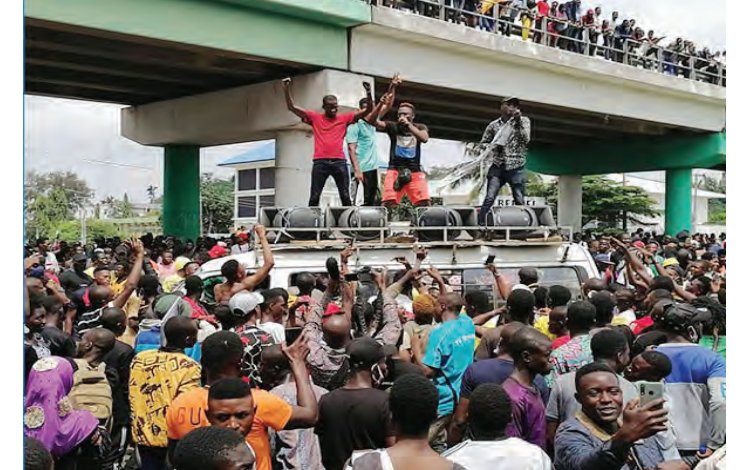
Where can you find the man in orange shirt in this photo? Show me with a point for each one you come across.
(221, 359)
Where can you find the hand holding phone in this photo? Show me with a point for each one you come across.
(650, 391)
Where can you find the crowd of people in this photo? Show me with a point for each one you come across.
(570, 26)
(132, 360)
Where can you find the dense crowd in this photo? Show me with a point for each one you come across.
(572, 27)
(134, 360)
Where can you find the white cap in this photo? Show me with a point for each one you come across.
(245, 302)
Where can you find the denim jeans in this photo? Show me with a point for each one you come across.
(497, 177)
(370, 188)
(323, 168)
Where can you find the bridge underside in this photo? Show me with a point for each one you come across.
(66, 61)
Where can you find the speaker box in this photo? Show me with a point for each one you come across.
(437, 217)
(284, 222)
(342, 218)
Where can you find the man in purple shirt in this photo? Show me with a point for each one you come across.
(531, 351)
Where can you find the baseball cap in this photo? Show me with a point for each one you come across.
(79, 257)
(217, 251)
(670, 262)
(512, 100)
(679, 316)
(638, 244)
(364, 352)
(332, 309)
(603, 258)
(180, 262)
(245, 302)
(243, 236)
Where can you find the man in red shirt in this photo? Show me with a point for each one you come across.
(329, 135)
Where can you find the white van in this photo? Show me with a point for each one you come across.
(462, 264)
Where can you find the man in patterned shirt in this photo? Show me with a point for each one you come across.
(577, 352)
(509, 148)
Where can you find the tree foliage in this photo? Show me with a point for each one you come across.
(70, 230)
(119, 208)
(603, 200)
(217, 203)
(51, 198)
(716, 207)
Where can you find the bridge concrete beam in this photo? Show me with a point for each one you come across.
(244, 114)
(630, 154)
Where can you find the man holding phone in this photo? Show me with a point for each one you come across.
(594, 438)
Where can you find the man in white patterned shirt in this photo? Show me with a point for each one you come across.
(490, 448)
(508, 137)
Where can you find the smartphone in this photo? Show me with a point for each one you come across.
(351, 277)
(490, 260)
(292, 334)
(650, 391)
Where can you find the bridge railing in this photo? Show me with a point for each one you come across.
(570, 36)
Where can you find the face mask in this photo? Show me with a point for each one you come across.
(377, 375)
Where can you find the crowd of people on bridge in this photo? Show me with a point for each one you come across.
(573, 27)
(126, 348)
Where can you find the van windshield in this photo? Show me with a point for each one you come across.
(467, 279)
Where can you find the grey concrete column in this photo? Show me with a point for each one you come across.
(569, 201)
(293, 161)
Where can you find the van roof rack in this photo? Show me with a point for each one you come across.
(398, 235)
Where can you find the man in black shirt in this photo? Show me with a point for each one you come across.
(356, 416)
(119, 358)
(74, 279)
(405, 175)
(60, 343)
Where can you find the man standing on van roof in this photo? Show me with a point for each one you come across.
(405, 175)
(329, 134)
(507, 138)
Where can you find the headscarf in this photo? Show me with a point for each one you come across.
(49, 416)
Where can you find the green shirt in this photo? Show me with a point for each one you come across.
(707, 342)
(364, 134)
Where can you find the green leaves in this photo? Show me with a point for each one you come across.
(217, 197)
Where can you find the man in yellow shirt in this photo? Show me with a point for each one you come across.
(157, 377)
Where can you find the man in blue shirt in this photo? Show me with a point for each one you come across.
(361, 140)
(444, 358)
(696, 385)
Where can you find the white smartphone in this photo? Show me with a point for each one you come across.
(650, 391)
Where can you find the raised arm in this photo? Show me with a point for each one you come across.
(302, 113)
(250, 282)
(363, 113)
(632, 260)
(132, 280)
(306, 413)
(504, 288)
(396, 81)
(373, 117)
(392, 328)
(436, 275)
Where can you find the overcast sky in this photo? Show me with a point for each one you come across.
(82, 136)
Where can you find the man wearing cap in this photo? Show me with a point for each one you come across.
(240, 244)
(507, 138)
(74, 279)
(184, 269)
(356, 416)
(696, 385)
(244, 307)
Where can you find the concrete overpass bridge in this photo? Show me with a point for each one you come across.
(200, 73)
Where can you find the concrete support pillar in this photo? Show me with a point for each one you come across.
(678, 200)
(569, 201)
(181, 191)
(293, 161)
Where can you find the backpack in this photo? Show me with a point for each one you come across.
(91, 391)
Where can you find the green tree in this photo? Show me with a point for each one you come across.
(217, 203)
(120, 208)
(716, 207)
(606, 201)
(70, 230)
(51, 198)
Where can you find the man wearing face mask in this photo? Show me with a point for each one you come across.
(698, 377)
(356, 416)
